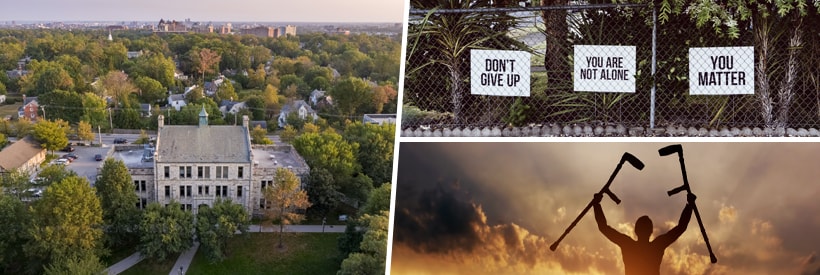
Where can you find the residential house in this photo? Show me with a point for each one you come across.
(212, 86)
(379, 118)
(316, 96)
(231, 107)
(25, 155)
(301, 107)
(177, 101)
(133, 54)
(29, 108)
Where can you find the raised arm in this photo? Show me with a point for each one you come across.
(673, 235)
(610, 233)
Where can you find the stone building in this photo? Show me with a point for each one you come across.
(198, 164)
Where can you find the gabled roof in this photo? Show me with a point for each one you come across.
(176, 97)
(296, 105)
(18, 153)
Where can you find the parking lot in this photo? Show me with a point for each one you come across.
(85, 165)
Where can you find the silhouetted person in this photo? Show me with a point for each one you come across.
(642, 256)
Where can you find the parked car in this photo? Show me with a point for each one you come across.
(98, 157)
(68, 149)
(70, 156)
(120, 141)
(61, 162)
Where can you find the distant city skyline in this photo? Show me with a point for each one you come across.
(350, 11)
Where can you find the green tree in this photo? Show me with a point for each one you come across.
(150, 90)
(258, 136)
(288, 134)
(158, 67)
(218, 224)
(165, 231)
(257, 106)
(88, 264)
(330, 151)
(283, 199)
(15, 183)
(226, 91)
(53, 78)
(52, 174)
(259, 55)
(13, 223)
(84, 131)
(50, 135)
(12, 50)
(378, 201)
(271, 97)
(350, 94)
(59, 104)
(3, 141)
(118, 200)
(323, 192)
(95, 112)
(23, 127)
(375, 153)
(66, 222)
(373, 247)
(256, 78)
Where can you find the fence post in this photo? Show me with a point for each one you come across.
(654, 35)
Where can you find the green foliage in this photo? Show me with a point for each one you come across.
(66, 222)
(150, 90)
(165, 231)
(61, 104)
(288, 134)
(378, 201)
(517, 114)
(50, 135)
(84, 131)
(13, 222)
(88, 264)
(95, 111)
(330, 151)
(226, 91)
(373, 247)
(118, 200)
(258, 136)
(52, 174)
(3, 141)
(350, 94)
(375, 154)
(15, 183)
(217, 225)
(323, 192)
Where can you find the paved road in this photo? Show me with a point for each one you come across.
(125, 264)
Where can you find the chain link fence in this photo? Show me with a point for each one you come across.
(438, 93)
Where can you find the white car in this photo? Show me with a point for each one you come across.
(61, 162)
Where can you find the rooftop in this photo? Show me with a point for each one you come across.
(185, 143)
(18, 153)
(277, 156)
(133, 158)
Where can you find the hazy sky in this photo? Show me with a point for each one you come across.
(205, 10)
(494, 208)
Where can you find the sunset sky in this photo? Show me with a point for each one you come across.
(206, 10)
(489, 208)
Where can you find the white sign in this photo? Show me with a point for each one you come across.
(721, 71)
(604, 69)
(500, 73)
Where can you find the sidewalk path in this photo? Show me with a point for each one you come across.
(181, 266)
(125, 264)
(298, 228)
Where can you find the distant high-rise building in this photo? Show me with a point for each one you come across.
(261, 31)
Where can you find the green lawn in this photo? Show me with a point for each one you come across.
(9, 109)
(256, 253)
